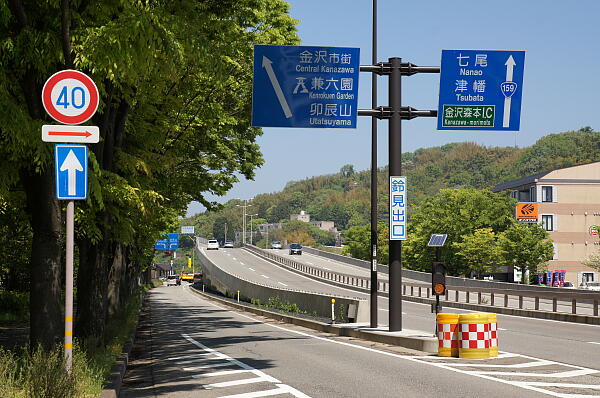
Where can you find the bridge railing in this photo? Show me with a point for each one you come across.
(538, 300)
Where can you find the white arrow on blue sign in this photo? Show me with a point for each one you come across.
(71, 168)
(305, 86)
(481, 90)
(170, 243)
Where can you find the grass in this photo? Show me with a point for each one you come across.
(14, 306)
(26, 373)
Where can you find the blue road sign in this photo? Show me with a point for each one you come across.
(304, 86)
(71, 165)
(170, 243)
(398, 204)
(481, 90)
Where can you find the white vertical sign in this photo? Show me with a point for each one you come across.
(397, 208)
(187, 229)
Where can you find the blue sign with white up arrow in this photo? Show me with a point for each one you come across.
(481, 90)
(71, 169)
(305, 86)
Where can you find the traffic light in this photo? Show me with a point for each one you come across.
(438, 278)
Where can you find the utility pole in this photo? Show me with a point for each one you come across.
(374, 282)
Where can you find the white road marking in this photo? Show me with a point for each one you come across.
(251, 269)
(242, 263)
(233, 258)
(261, 376)
(448, 366)
(281, 283)
(264, 276)
(309, 263)
(218, 356)
(593, 342)
(221, 373)
(189, 356)
(542, 362)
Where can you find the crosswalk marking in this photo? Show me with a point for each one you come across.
(221, 373)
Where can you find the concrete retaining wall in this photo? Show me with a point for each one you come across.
(352, 308)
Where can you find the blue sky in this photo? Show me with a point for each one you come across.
(560, 89)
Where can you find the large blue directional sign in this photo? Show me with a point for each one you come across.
(304, 86)
(170, 243)
(71, 165)
(481, 90)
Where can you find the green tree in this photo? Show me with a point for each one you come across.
(526, 248)
(480, 251)
(458, 213)
(174, 118)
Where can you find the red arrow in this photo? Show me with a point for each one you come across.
(71, 134)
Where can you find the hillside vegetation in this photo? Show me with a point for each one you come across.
(344, 197)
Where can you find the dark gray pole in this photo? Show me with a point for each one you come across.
(374, 282)
(395, 169)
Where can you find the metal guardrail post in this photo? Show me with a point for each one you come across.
(468, 296)
(478, 297)
(505, 300)
(554, 305)
(456, 296)
(492, 299)
(520, 302)
(537, 303)
(574, 306)
(595, 307)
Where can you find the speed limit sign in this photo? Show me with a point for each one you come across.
(70, 97)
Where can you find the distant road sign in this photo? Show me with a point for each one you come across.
(71, 171)
(70, 97)
(170, 243)
(398, 208)
(305, 86)
(527, 212)
(187, 229)
(480, 90)
(62, 133)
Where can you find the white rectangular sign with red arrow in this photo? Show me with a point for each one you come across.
(70, 134)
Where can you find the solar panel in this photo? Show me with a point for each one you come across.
(437, 240)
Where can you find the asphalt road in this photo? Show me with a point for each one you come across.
(572, 343)
(188, 346)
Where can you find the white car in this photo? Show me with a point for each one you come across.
(276, 244)
(213, 244)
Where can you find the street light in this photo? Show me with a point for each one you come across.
(251, 215)
(244, 218)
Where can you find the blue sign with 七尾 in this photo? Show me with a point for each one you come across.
(305, 86)
(70, 162)
(170, 243)
(481, 90)
(397, 208)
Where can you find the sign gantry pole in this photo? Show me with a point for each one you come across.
(395, 169)
(374, 282)
(395, 113)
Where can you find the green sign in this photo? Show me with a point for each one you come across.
(468, 116)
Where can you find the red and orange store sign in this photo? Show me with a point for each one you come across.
(527, 212)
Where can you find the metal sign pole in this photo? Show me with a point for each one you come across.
(395, 169)
(69, 287)
(374, 283)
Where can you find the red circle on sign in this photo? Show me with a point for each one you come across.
(54, 112)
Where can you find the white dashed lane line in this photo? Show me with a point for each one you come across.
(281, 283)
(594, 342)
(251, 269)
(264, 276)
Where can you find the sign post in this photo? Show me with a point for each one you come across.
(70, 97)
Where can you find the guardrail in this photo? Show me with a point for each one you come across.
(228, 284)
(423, 290)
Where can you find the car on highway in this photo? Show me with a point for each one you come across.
(228, 244)
(295, 248)
(213, 244)
(276, 244)
(173, 280)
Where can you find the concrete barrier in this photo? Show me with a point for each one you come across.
(353, 309)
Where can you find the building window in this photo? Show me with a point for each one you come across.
(546, 194)
(548, 222)
(588, 277)
(532, 195)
